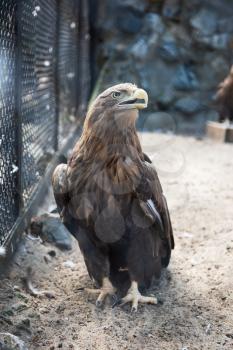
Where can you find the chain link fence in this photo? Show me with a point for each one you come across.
(41, 52)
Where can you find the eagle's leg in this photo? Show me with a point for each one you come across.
(97, 263)
(133, 295)
(106, 289)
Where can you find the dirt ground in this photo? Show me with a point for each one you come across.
(196, 291)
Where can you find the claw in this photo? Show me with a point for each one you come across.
(135, 297)
(106, 289)
(117, 302)
(98, 303)
(134, 309)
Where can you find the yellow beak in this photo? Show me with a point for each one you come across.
(139, 100)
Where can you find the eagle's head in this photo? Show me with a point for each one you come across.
(119, 103)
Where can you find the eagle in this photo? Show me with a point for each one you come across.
(224, 98)
(110, 198)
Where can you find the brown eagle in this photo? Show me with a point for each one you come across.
(224, 98)
(110, 198)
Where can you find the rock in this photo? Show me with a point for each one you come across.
(9, 341)
(166, 99)
(140, 49)
(152, 23)
(171, 9)
(136, 5)
(204, 22)
(188, 105)
(52, 253)
(51, 230)
(185, 79)
(128, 21)
(217, 41)
(144, 49)
(168, 50)
(225, 25)
(155, 77)
(145, 46)
(70, 264)
(167, 58)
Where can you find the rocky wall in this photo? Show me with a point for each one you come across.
(179, 51)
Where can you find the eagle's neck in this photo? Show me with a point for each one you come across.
(109, 158)
(105, 143)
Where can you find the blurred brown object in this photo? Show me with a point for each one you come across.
(222, 132)
(224, 98)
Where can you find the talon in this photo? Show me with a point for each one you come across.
(135, 297)
(114, 298)
(134, 309)
(106, 289)
(98, 303)
(117, 303)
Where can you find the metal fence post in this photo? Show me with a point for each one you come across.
(18, 105)
(57, 80)
(83, 57)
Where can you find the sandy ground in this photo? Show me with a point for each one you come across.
(196, 291)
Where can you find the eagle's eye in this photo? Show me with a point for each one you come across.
(116, 94)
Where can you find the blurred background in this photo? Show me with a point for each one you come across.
(179, 51)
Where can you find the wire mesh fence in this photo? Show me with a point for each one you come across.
(39, 84)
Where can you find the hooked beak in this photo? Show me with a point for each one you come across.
(138, 100)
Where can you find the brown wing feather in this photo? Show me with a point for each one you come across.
(161, 203)
(150, 188)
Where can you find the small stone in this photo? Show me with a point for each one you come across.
(52, 253)
(16, 288)
(70, 264)
(50, 229)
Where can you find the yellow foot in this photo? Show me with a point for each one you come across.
(106, 289)
(135, 297)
